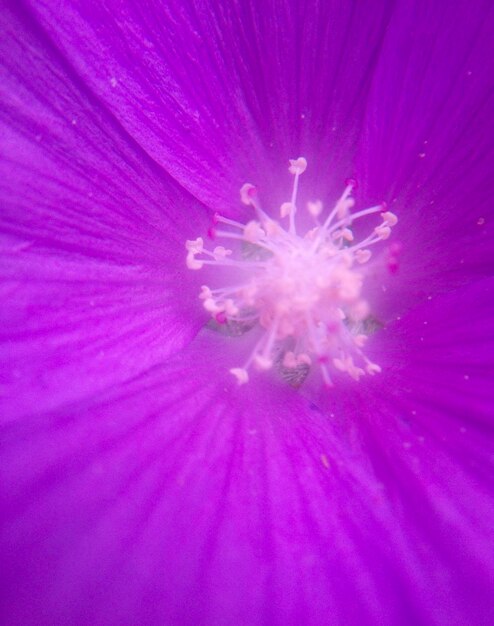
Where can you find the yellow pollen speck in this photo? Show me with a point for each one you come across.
(324, 461)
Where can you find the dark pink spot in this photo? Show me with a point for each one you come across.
(393, 264)
(220, 317)
(211, 233)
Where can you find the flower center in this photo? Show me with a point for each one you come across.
(303, 291)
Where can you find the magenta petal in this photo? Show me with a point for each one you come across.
(70, 328)
(94, 283)
(253, 83)
(427, 145)
(181, 498)
(139, 484)
(72, 180)
(411, 86)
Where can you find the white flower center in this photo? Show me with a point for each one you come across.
(304, 291)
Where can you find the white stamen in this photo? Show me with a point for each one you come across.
(315, 208)
(195, 245)
(240, 374)
(193, 263)
(221, 253)
(205, 293)
(253, 232)
(389, 218)
(262, 362)
(303, 290)
(286, 208)
(383, 231)
(297, 166)
(363, 256)
(247, 193)
(373, 368)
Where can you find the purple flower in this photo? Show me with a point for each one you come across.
(140, 484)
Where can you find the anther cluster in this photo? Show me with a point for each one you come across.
(304, 291)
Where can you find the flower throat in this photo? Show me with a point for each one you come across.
(303, 291)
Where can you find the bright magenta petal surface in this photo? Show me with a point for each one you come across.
(181, 498)
(139, 484)
(94, 283)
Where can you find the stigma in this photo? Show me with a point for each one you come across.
(303, 291)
